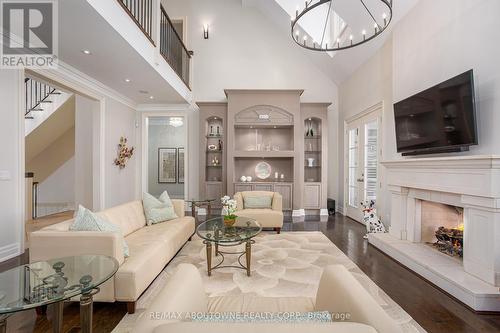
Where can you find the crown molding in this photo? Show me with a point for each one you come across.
(80, 82)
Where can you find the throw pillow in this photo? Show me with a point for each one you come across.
(255, 202)
(158, 210)
(85, 220)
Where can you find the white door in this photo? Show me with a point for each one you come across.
(362, 163)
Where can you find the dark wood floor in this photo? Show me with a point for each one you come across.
(433, 309)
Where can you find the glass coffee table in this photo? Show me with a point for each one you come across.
(241, 232)
(52, 282)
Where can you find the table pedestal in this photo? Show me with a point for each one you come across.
(3, 323)
(86, 310)
(247, 253)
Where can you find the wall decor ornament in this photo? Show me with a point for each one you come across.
(167, 165)
(124, 153)
(263, 170)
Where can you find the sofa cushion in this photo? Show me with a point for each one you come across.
(249, 303)
(85, 220)
(158, 210)
(129, 217)
(253, 201)
(151, 248)
(267, 218)
(195, 327)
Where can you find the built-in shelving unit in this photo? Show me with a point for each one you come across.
(312, 150)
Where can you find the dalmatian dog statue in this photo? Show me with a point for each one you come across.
(372, 222)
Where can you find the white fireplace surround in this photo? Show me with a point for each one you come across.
(471, 182)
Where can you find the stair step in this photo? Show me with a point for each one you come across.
(28, 117)
(36, 110)
(55, 93)
(45, 101)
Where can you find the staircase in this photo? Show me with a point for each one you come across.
(41, 100)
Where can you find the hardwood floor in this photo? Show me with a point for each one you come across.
(433, 309)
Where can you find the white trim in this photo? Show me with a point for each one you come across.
(67, 75)
(10, 251)
(21, 200)
(376, 107)
(323, 212)
(298, 212)
(163, 107)
(163, 111)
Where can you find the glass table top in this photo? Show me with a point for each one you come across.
(45, 282)
(214, 230)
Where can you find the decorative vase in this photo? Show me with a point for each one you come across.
(243, 179)
(229, 221)
(310, 162)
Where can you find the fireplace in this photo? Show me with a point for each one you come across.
(442, 227)
(461, 194)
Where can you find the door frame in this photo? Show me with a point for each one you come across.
(145, 149)
(376, 110)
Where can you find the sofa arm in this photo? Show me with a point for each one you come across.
(179, 207)
(340, 292)
(51, 244)
(277, 202)
(182, 294)
(239, 201)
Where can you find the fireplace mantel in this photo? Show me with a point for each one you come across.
(466, 175)
(470, 182)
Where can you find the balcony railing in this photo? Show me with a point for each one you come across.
(171, 46)
(173, 49)
(141, 12)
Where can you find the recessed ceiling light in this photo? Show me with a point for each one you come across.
(127, 80)
(87, 52)
(151, 97)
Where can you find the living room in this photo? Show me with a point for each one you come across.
(249, 164)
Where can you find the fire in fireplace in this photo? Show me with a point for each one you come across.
(450, 240)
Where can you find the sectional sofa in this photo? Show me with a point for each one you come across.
(151, 247)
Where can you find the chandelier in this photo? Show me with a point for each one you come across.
(344, 23)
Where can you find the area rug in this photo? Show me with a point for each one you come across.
(285, 265)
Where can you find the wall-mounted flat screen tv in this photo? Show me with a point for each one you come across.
(439, 119)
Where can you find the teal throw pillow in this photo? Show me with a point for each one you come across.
(85, 220)
(158, 210)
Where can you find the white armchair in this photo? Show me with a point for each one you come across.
(267, 217)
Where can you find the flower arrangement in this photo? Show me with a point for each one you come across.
(228, 210)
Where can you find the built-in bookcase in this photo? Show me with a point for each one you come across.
(312, 150)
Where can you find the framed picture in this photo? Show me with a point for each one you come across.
(167, 165)
(180, 165)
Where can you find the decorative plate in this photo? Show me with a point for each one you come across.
(212, 147)
(263, 170)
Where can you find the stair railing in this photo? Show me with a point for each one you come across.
(37, 93)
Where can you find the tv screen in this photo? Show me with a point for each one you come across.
(439, 119)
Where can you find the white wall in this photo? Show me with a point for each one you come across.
(440, 39)
(119, 183)
(85, 111)
(245, 50)
(434, 42)
(57, 192)
(11, 164)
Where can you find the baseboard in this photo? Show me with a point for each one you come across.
(323, 212)
(298, 212)
(10, 251)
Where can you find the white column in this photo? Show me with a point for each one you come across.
(399, 198)
(482, 238)
(12, 183)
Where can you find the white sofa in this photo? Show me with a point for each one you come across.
(339, 293)
(267, 218)
(151, 247)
